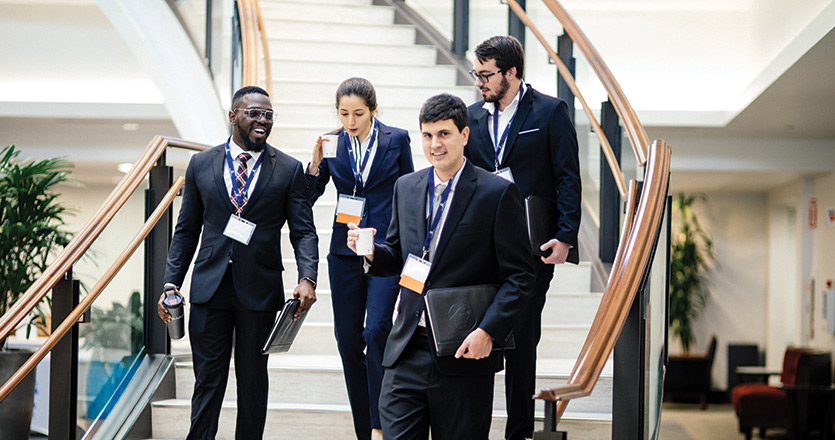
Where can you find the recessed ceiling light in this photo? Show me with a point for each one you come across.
(130, 126)
(124, 167)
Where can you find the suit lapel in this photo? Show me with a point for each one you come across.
(463, 191)
(219, 166)
(482, 130)
(268, 165)
(522, 113)
(418, 200)
(383, 141)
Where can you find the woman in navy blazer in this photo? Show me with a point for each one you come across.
(370, 157)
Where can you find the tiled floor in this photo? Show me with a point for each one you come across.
(718, 422)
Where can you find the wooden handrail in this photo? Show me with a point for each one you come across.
(94, 293)
(572, 84)
(84, 238)
(252, 24)
(631, 260)
(634, 129)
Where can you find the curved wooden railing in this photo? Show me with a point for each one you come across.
(252, 29)
(79, 245)
(632, 258)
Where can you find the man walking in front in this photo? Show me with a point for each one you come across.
(236, 198)
(528, 138)
(460, 226)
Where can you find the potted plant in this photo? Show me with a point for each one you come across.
(691, 256)
(31, 222)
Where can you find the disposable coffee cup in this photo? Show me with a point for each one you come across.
(174, 304)
(365, 241)
(329, 145)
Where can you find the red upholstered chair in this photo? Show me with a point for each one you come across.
(759, 405)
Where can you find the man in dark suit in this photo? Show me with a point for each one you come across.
(533, 143)
(239, 194)
(474, 236)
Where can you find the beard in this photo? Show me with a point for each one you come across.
(504, 86)
(249, 144)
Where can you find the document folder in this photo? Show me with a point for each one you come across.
(285, 329)
(454, 312)
(542, 217)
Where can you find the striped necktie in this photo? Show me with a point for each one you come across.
(240, 182)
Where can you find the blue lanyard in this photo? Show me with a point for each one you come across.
(239, 195)
(437, 218)
(359, 170)
(498, 142)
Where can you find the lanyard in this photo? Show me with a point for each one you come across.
(498, 142)
(239, 195)
(437, 218)
(358, 170)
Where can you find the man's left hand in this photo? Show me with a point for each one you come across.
(307, 294)
(477, 345)
(559, 251)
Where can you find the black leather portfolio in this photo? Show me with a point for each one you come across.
(454, 312)
(542, 216)
(285, 329)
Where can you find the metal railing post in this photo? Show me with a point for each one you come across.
(549, 431)
(610, 206)
(160, 179)
(63, 371)
(565, 50)
(460, 27)
(515, 27)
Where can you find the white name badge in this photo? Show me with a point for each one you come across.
(505, 174)
(349, 209)
(414, 274)
(239, 229)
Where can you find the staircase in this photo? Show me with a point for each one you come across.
(315, 45)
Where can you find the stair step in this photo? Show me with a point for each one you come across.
(358, 33)
(328, 13)
(340, 52)
(381, 73)
(295, 113)
(318, 421)
(323, 92)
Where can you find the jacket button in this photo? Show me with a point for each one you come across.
(228, 253)
(417, 314)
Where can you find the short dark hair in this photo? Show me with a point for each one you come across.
(506, 50)
(442, 107)
(359, 87)
(243, 91)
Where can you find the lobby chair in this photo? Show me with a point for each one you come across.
(689, 376)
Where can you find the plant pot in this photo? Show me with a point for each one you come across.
(16, 408)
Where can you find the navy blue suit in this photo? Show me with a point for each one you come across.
(541, 152)
(237, 288)
(483, 241)
(359, 298)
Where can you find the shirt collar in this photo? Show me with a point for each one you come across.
(235, 150)
(454, 179)
(491, 106)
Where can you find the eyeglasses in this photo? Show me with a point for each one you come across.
(483, 77)
(256, 113)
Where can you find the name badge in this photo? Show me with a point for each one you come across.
(505, 174)
(414, 274)
(349, 209)
(239, 229)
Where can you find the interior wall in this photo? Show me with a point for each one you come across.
(823, 263)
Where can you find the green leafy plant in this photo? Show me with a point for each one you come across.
(691, 257)
(120, 327)
(31, 222)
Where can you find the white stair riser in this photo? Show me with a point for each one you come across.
(321, 13)
(267, 6)
(347, 53)
(313, 386)
(316, 425)
(342, 32)
(326, 115)
(403, 75)
(387, 95)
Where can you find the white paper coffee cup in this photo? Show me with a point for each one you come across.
(365, 241)
(329, 142)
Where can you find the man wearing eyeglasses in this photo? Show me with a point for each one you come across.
(239, 194)
(526, 137)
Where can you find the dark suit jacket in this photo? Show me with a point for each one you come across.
(541, 152)
(280, 196)
(393, 159)
(483, 242)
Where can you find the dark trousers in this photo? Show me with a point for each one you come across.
(213, 328)
(362, 308)
(520, 363)
(416, 396)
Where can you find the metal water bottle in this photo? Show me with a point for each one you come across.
(174, 304)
